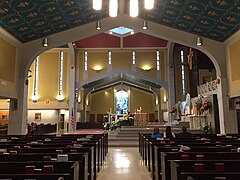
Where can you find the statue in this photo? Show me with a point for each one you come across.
(188, 104)
(178, 111)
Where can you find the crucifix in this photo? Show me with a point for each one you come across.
(190, 56)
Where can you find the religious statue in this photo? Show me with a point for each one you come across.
(188, 104)
(178, 111)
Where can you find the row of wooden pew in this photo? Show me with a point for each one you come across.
(206, 157)
(69, 156)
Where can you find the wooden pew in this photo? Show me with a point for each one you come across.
(57, 176)
(82, 155)
(98, 141)
(42, 146)
(167, 157)
(183, 169)
(14, 168)
(158, 149)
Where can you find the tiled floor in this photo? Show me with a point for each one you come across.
(123, 164)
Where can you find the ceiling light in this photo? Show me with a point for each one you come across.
(148, 4)
(133, 8)
(145, 27)
(113, 8)
(97, 4)
(98, 25)
(199, 41)
(45, 42)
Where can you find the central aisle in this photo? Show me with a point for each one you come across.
(123, 164)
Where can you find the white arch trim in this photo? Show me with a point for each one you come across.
(123, 71)
(215, 50)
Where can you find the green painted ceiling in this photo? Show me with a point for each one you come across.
(122, 77)
(28, 20)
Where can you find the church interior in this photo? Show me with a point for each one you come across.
(73, 70)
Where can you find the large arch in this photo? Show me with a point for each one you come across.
(28, 51)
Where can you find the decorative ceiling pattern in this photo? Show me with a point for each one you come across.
(214, 19)
(28, 20)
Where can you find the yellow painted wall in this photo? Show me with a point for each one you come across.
(7, 61)
(142, 99)
(147, 58)
(101, 102)
(99, 59)
(7, 69)
(48, 77)
(234, 73)
(122, 60)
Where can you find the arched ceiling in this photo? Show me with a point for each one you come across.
(28, 20)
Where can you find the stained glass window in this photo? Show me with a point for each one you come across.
(121, 102)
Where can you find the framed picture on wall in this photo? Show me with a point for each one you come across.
(4, 117)
(37, 116)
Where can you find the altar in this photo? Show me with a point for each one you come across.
(196, 122)
(140, 119)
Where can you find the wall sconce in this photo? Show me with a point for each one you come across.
(45, 42)
(97, 68)
(145, 26)
(199, 41)
(60, 98)
(164, 98)
(146, 68)
(34, 98)
(98, 25)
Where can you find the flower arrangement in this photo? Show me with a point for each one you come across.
(173, 110)
(207, 128)
(205, 105)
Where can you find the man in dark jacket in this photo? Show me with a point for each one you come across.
(184, 133)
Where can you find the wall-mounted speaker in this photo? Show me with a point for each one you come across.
(14, 104)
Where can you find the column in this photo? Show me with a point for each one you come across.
(171, 86)
(72, 89)
(227, 125)
(18, 110)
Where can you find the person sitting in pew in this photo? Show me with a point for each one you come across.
(184, 133)
(168, 133)
(156, 133)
